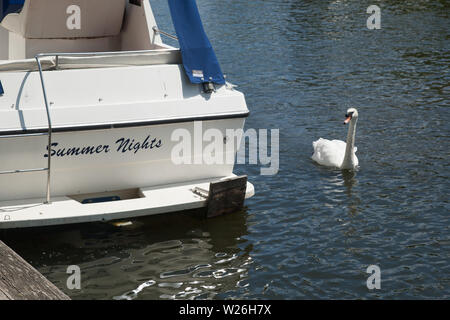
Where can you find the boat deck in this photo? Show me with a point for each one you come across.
(69, 209)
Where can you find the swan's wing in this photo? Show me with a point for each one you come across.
(343, 145)
(329, 153)
(339, 144)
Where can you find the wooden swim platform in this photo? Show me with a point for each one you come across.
(20, 281)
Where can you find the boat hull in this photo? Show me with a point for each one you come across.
(151, 201)
(101, 160)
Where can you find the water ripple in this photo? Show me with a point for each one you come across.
(309, 232)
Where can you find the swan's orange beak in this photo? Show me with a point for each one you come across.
(347, 120)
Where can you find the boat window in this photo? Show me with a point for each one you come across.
(1, 88)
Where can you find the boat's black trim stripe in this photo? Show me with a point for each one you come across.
(128, 124)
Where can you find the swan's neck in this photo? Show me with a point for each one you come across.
(349, 158)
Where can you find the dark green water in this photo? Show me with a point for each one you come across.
(309, 232)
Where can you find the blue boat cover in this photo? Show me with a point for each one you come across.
(9, 6)
(1, 88)
(199, 60)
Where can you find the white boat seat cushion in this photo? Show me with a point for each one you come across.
(67, 19)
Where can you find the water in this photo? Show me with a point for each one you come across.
(310, 232)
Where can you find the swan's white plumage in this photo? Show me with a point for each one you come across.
(334, 153)
(330, 153)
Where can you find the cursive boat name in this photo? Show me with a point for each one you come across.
(122, 145)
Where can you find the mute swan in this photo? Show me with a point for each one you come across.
(337, 153)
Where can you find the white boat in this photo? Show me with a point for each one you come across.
(92, 84)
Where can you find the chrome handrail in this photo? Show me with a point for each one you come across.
(103, 53)
(78, 54)
(156, 30)
(44, 91)
(98, 54)
(49, 120)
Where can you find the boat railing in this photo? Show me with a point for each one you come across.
(48, 133)
(44, 91)
(47, 108)
(49, 121)
(102, 54)
(156, 30)
(55, 61)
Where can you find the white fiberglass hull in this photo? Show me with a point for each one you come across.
(112, 140)
(135, 165)
(105, 160)
(65, 210)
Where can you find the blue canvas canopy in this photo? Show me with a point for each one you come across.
(199, 60)
(9, 6)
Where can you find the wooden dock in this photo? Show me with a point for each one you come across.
(20, 281)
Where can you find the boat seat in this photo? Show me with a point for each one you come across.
(67, 19)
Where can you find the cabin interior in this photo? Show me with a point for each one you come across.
(78, 26)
